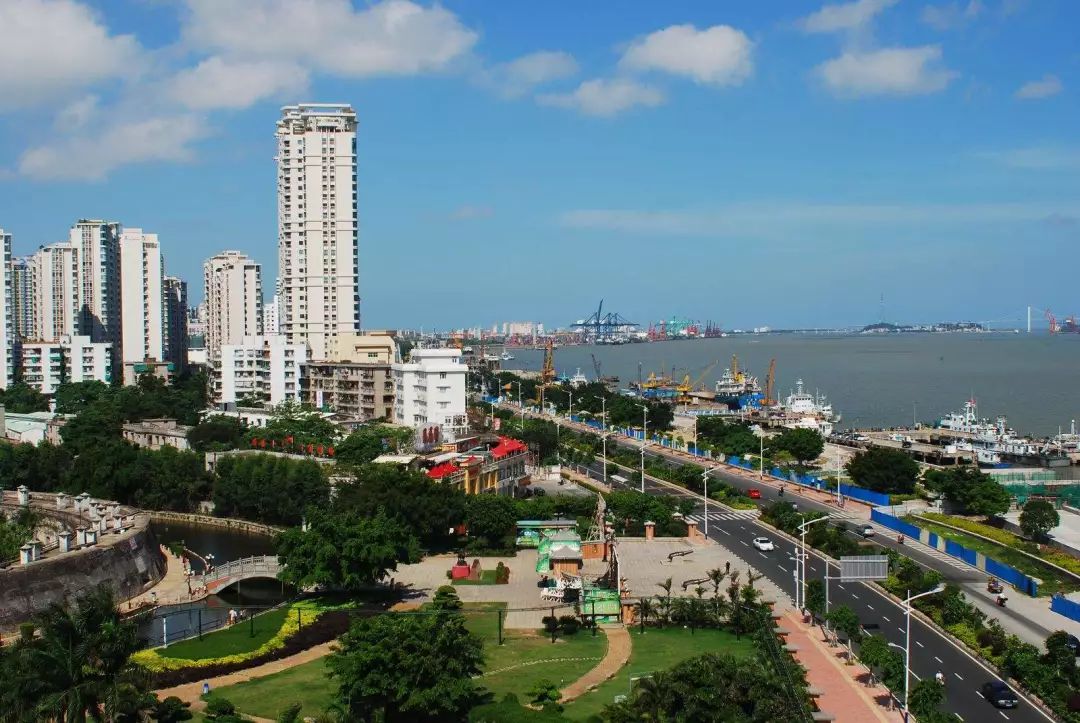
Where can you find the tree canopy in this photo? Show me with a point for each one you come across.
(217, 433)
(22, 398)
(408, 668)
(804, 445)
(268, 488)
(728, 437)
(1037, 518)
(884, 470)
(972, 491)
(368, 442)
(344, 552)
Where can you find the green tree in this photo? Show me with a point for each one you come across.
(217, 433)
(712, 688)
(884, 470)
(21, 398)
(815, 597)
(804, 445)
(77, 667)
(974, 492)
(74, 397)
(843, 619)
(407, 668)
(293, 423)
(430, 508)
(1037, 519)
(172, 710)
(268, 488)
(545, 694)
(344, 552)
(728, 437)
(925, 698)
(368, 442)
(491, 521)
(446, 598)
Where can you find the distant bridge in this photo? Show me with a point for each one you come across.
(246, 568)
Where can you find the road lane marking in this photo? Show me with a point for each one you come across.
(724, 531)
(957, 675)
(782, 568)
(743, 543)
(979, 694)
(916, 675)
(919, 644)
(763, 555)
(854, 596)
(882, 617)
(939, 660)
(869, 606)
(1003, 714)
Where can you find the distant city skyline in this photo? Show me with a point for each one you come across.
(777, 165)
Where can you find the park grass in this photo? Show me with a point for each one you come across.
(528, 656)
(233, 640)
(487, 577)
(658, 649)
(1052, 581)
(267, 697)
(513, 667)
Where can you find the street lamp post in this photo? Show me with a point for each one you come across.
(802, 556)
(644, 441)
(907, 639)
(570, 413)
(521, 406)
(705, 479)
(761, 455)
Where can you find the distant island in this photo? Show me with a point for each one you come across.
(947, 327)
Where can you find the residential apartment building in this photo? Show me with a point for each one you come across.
(176, 321)
(271, 316)
(233, 288)
(429, 390)
(264, 369)
(8, 339)
(357, 380)
(141, 297)
(54, 271)
(22, 297)
(45, 364)
(97, 252)
(318, 279)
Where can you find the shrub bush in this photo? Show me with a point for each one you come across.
(569, 624)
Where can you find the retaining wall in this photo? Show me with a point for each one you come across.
(251, 528)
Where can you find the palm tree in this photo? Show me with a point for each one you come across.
(81, 660)
(665, 605)
(645, 608)
(651, 694)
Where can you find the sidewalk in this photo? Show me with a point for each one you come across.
(843, 690)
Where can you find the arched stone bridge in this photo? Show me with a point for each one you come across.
(246, 568)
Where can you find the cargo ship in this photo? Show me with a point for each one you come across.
(738, 389)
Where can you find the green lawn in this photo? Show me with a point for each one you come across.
(516, 666)
(231, 640)
(1053, 581)
(657, 649)
(268, 697)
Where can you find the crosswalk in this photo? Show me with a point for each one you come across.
(718, 516)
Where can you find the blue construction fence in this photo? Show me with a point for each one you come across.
(1009, 574)
(1064, 606)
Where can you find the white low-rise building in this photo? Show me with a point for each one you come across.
(264, 369)
(73, 359)
(430, 392)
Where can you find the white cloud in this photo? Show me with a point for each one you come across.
(888, 71)
(1035, 158)
(783, 218)
(1037, 89)
(951, 15)
(393, 37)
(220, 83)
(851, 16)
(602, 97)
(719, 55)
(77, 113)
(50, 47)
(519, 76)
(88, 157)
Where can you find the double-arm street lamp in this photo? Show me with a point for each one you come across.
(800, 564)
(907, 639)
(705, 479)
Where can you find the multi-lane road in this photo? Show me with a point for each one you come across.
(931, 652)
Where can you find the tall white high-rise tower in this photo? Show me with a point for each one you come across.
(318, 284)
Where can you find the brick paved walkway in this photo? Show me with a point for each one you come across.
(844, 692)
(618, 653)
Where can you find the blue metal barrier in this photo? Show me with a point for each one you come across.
(1064, 606)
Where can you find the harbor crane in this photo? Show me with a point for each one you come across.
(596, 366)
(770, 384)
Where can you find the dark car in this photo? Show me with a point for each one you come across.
(1073, 644)
(1000, 695)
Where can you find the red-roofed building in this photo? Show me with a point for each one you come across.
(498, 470)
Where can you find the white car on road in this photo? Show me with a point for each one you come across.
(764, 544)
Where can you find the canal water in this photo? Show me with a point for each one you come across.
(219, 545)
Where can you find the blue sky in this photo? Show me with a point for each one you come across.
(751, 163)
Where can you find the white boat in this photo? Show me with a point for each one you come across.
(809, 411)
(991, 441)
(578, 379)
(506, 356)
